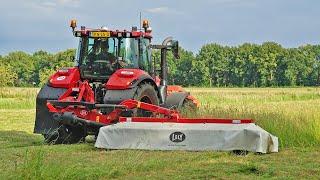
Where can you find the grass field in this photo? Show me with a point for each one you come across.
(292, 114)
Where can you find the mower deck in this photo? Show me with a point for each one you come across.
(187, 136)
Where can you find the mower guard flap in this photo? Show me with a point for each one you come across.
(186, 136)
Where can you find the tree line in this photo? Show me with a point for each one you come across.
(246, 65)
(26, 70)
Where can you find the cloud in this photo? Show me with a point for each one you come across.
(164, 10)
(234, 2)
(226, 1)
(158, 10)
(49, 7)
(46, 7)
(71, 3)
(193, 23)
(49, 4)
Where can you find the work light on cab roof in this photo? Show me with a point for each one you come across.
(105, 32)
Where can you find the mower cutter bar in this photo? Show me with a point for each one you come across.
(186, 120)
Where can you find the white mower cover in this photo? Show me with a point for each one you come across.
(183, 136)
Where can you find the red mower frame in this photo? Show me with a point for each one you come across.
(89, 111)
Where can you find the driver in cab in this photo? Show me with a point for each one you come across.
(100, 52)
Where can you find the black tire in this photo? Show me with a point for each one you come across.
(65, 135)
(189, 105)
(188, 108)
(146, 93)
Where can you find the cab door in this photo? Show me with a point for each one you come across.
(145, 55)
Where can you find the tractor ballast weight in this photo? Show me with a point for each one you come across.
(115, 85)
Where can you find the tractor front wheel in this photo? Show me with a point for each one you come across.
(65, 135)
(146, 93)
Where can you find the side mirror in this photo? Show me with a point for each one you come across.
(175, 49)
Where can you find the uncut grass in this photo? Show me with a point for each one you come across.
(292, 114)
(17, 98)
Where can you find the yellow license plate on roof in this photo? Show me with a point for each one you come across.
(100, 34)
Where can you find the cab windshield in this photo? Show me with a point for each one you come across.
(98, 49)
(101, 57)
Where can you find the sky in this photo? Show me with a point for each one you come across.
(32, 25)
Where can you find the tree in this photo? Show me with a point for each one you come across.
(268, 55)
(185, 72)
(7, 77)
(46, 64)
(22, 64)
(43, 61)
(44, 75)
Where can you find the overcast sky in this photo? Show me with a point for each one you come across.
(31, 25)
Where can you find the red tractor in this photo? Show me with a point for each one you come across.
(113, 72)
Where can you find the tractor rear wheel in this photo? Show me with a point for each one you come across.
(145, 93)
(65, 135)
(188, 108)
(188, 105)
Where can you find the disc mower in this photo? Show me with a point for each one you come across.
(115, 86)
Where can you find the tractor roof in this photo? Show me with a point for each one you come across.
(104, 32)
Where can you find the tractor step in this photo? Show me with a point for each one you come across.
(218, 136)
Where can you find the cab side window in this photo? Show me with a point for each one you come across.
(145, 63)
(129, 52)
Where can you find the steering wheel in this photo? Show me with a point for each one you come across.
(102, 65)
(101, 61)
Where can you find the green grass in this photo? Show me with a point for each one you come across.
(292, 114)
(18, 98)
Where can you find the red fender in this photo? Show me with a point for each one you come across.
(173, 88)
(124, 78)
(65, 78)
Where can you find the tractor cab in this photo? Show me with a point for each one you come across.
(101, 51)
